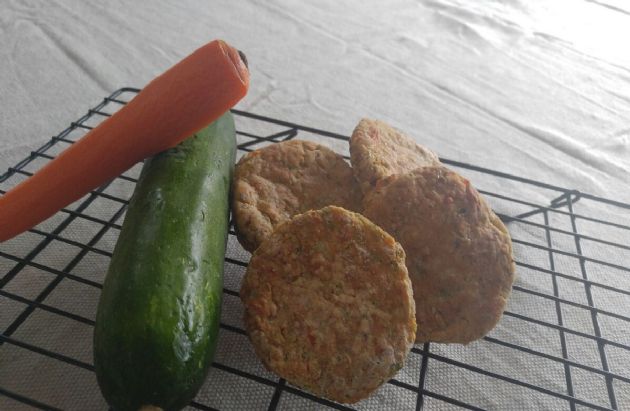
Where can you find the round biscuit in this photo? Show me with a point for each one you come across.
(328, 304)
(458, 252)
(378, 150)
(273, 184)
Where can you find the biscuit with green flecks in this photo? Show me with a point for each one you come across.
(458, 252)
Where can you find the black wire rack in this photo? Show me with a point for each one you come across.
(563, 343)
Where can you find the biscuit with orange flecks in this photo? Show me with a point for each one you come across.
(328, 304)
(378, 150)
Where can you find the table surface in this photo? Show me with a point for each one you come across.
(536, 89)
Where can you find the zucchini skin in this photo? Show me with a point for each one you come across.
(158, 315)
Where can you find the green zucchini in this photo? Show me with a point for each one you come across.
(158, 316)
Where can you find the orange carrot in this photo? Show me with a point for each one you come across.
(183, 100)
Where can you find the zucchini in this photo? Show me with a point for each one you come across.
(158, 315)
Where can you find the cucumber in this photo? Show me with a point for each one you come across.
(158, 315)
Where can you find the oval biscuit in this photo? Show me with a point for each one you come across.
(273, 184)
(378, 150)
(458, 252)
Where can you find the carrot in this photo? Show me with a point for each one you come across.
(184, 99)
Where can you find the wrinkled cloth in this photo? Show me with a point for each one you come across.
(536, 89)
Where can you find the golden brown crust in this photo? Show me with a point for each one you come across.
(328, 304)
(378, 150)
(273, 184)
(459, 254)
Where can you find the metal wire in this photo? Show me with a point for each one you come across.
(562, 203)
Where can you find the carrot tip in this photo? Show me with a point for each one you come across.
(238, 59)
(244, 58)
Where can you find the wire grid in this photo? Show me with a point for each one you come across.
(432, 379)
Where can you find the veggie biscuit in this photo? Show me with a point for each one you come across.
(328, 304)
(274, 183)
(378, 150)
(459, 254)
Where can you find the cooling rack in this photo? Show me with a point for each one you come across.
(563, 343)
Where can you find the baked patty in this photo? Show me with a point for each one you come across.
(328, 304)
(378, 150)
(273, 184)
(458, 252)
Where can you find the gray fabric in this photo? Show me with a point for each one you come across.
(521, 87)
